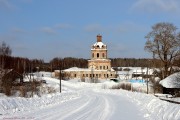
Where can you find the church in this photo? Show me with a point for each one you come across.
(99, 66)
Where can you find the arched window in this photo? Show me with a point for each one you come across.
(97, 55)
(104, 67)
(103, 55)
(93, 55)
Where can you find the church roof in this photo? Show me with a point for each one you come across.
(76, 69)
(100, 44)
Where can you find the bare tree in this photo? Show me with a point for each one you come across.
(164, 43)
(5, 49)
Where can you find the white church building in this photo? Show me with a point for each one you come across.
(99, 66)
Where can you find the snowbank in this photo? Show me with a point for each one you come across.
(172, 81)
(154, 108)
(17, 104)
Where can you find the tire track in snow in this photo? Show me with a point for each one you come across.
(57, 110)
(69, 108)
(88, 106)
(100, 109)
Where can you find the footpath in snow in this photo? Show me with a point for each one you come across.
(85, 101)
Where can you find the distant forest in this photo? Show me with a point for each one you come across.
(23, 65)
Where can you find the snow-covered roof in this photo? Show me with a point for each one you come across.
(100, 44)
(112, 69)
(4, 71)
(144, 70)
(172, 81)
(76, 69)
(82, 69)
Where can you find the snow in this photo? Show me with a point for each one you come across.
(88, 101)
(82, 69)
(76, 69)
(100, 44)
(172, 81)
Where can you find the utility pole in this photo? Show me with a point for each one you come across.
(60, 75)
(147, 80)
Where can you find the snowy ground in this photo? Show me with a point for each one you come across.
(88, 101)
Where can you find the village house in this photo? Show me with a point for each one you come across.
(171, 84)
(99, 66)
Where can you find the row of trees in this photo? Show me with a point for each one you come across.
(68, 62)
(132, 62)
(21, 65)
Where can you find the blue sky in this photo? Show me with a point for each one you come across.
(45, 29)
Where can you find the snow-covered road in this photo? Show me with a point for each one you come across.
(90, 105)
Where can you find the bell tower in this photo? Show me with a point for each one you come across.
(99, 58)
(99, 49)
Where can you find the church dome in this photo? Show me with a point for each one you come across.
(99, 44)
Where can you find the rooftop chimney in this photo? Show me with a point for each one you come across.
(99, 38)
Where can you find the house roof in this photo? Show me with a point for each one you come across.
(172, 81)
(4, 71)
(82, 69)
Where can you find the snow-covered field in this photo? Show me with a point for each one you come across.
(88, 101)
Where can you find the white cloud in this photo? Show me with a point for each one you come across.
(26, 1)
(155, 6)
(48, 30)
(17, 30)
(94, 28)
(54, 29)
(62, 26)
(125, 27)
(130, 27)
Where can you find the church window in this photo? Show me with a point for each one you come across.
(74, 75)
(107, 67)
(97, 46)
(100, 67)
(107, 75)
(93, 55)
(86, 75)
(103, 55)
(97, 55)
(104, 67)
